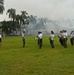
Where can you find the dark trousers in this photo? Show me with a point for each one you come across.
(52, 43)
(40, 43)
(72, 41)
(23, 39)
(61, 41)
(0, 40)
(65, 42)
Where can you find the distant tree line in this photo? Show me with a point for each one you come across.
(15, 22)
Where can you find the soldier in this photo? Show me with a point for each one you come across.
(72, 37)
(0, 38)
(40, 36)
(65, 38)
(61, 38)
(23, 38)
(52, 39)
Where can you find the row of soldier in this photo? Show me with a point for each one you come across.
(62, 38)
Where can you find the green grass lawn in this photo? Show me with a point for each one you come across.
(15, 60)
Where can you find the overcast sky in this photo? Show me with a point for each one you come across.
(52, 9)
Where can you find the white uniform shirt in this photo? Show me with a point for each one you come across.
(65, 34)
(72, 34)
(23, 34)
(0, 36)
(52, 36)
(40, 35)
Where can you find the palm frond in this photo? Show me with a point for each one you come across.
(1, 6)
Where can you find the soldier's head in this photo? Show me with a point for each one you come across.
(23, 31)
(52, 32)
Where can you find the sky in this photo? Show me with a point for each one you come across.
(52, 9)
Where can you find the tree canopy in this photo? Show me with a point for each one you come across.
(1, 6)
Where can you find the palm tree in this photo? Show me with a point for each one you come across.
(12, 13)
(18, 18)
(24, 16)
(1, 6)
(1, 11)
(23, 19)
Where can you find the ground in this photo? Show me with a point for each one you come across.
(16, 60)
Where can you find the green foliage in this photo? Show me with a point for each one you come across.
(1, 6)
(24, 16)
(15, 60)
(12, 13)
(16, 20)
(6, 27)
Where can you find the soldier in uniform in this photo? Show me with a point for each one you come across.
(52, 39)
(72, 37)
(23, 38)
(40, 36)
(0, 38)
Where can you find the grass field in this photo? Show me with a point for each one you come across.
(15, 60)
